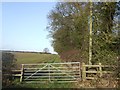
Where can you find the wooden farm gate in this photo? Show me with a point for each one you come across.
(60, 72)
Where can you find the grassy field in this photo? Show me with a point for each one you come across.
(28, 58)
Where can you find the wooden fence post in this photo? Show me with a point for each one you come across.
(83, 72)
(49, 71)
(79, 70)
(100, 69)
(22, 70)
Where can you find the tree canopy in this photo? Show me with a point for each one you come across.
(69, 28)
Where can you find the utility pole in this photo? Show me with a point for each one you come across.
(90, 37)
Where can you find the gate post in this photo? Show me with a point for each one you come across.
(22, 71)
(79, 70)
(83, 72)
(49, 71)
(100, 69)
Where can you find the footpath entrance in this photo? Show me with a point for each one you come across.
(44, 72)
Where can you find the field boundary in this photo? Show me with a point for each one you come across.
(98, 69)
(60, 72)
(51, 71)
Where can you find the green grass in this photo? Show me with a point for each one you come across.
(16, 84)
(30, 58)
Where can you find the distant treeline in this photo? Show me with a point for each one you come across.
(9, 51)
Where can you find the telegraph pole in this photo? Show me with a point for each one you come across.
(90, 32)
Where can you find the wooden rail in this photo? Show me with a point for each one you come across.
(16, 73)
(62, 72)
(49, 70)
(95, 71)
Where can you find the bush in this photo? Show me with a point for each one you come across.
(8, 63)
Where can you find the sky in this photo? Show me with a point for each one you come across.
(24, 26)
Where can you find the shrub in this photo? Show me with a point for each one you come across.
(8, 63)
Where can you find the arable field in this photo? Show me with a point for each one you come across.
(35, 58)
